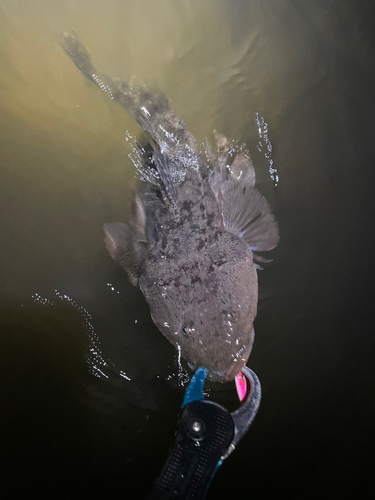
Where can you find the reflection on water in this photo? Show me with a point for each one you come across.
(90, 389)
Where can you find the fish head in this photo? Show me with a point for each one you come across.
(207, 311)
(218, 334)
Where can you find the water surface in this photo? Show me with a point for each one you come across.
(90, 388)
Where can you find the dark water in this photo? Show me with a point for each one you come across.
(90, 390)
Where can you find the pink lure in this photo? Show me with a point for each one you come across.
(241, 385)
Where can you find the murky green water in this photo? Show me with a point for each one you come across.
(90, 389)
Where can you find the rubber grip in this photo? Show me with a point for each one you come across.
(205, 432)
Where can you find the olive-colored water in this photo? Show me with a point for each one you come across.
(90, 390)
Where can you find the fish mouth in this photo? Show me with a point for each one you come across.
(229, 374)
(219, 375)
(225, 375)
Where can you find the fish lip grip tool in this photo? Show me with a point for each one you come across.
(206, 435)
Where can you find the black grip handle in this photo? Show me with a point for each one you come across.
(205, 432)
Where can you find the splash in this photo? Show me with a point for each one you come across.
(112, 288)
(95, 358)
(266, 143)
(182, 376)
(103, 86)
(139, 157)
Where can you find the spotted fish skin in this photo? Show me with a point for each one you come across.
(194, 231)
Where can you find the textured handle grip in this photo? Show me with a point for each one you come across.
(205, 432)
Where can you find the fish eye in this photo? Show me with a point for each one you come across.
(188, 328)
(228, 315)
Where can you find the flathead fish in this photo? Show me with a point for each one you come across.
(196, 225)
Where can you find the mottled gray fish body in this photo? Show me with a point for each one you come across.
(193, 231)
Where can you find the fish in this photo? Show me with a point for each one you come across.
(197, 224)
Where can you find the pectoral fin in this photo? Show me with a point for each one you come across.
(245, 211)
(124, 249)
(247, 214)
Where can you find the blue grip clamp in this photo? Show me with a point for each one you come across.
(207, 434)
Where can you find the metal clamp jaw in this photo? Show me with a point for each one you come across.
(206, 435)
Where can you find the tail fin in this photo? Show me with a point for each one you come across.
(175, 145)
(151, 110)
